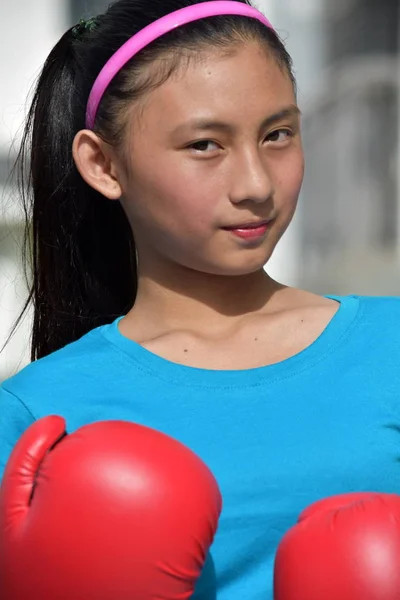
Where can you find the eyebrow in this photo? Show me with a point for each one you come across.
(207, 124)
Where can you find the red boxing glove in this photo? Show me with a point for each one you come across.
(343, 548)
(114, 511)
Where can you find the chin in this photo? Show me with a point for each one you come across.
(248, 264)
(231, 264)
(243, 271)
(236, 269)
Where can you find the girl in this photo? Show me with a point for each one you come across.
(159, 192)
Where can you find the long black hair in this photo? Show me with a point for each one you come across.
(79, 249)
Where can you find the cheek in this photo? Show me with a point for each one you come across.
(174, 201)
(290, 178)
(189, 200)
(190, 215)
(190, 188)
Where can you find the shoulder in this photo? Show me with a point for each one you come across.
(375, 324)
(378, 311)
(62, 374)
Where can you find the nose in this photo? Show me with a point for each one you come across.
(250, 180)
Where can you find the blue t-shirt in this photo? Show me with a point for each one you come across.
(326, 421)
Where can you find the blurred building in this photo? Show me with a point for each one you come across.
(350, 230)
(346, 235)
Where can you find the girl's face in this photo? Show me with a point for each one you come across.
(214, 148)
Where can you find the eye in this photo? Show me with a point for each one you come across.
(204, 146)
(279, 136)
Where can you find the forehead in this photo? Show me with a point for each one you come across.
(244, 83)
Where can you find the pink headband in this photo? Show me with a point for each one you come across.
(155, 30)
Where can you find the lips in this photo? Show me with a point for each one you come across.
(249, 231)
(253, 225)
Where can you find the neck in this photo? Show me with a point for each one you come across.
(187, 299)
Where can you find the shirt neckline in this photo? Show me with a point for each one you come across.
(166, 370)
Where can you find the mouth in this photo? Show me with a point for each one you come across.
(251, 230)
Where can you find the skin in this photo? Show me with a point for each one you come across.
(180, 184)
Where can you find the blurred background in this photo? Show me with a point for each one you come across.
(345, 237)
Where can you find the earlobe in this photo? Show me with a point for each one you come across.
(94, 162)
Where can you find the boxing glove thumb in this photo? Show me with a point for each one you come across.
(343, 548)
(20, 473)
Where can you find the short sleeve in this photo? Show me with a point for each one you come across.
(15, 418)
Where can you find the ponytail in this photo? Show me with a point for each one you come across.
(80, 245)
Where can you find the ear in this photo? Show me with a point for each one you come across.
(95, 162)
